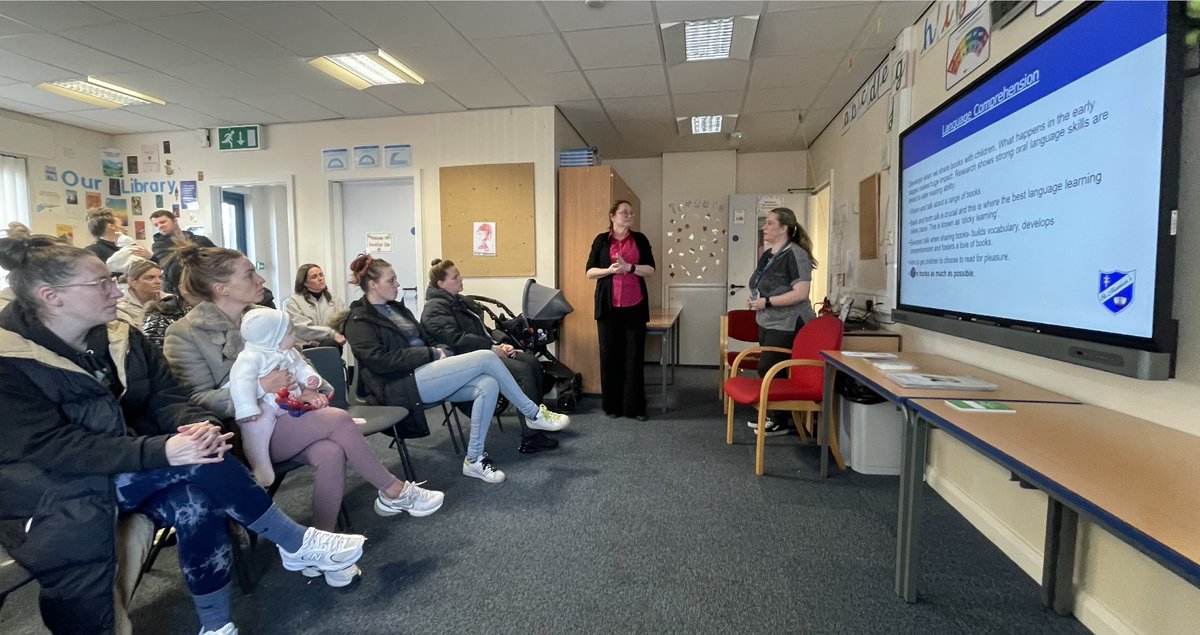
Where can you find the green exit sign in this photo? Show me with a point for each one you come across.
(238, 138)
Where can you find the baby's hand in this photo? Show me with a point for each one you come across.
(313, 382)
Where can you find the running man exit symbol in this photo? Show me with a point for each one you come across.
(239, 138)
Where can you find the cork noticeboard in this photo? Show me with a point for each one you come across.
(500, 195)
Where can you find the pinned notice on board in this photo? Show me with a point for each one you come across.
(379, 242)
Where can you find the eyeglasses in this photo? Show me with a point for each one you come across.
(104, 284)
(626, 214)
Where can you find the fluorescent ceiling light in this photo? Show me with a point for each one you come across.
(708, 39)
(362, 70)
(705, 40)
(706, 124)
(100, 93)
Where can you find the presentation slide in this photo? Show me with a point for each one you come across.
(1035, 196)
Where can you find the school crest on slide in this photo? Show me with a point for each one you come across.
(1116, 290)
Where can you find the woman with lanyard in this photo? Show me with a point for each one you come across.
(619, 262)
(779, 293)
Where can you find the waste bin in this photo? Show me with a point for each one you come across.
(870, 430)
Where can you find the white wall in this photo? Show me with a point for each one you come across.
(519, 135)
(771, 172)
(1119, 590)
(66, 148)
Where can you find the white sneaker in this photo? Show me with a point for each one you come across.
(548, 420)
(415, 500)
(228, 629)
(770, 429)
(324, 551)
(336, 579)
(483, 470)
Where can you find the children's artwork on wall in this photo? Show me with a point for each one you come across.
(113, 162)
(72, 197)
(91, 200)
(118, 207)
(485, 238)
(131, 164)
(51, 173)
(114, 187)
(139, 229)
(135, 203)
(48, 201)
(696, 240)
(65, 230)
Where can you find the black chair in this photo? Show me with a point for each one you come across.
(328, 361)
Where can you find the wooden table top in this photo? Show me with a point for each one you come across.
(1009, 389)
(663, 319)
(1144, 476)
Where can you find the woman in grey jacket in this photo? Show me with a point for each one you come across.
(311, 307)
(201, 348)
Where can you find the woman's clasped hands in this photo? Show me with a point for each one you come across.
(200, 442)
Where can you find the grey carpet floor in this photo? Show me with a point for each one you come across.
(630, 527)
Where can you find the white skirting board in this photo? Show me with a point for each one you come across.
(1089, 611)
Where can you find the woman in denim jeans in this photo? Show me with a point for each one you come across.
(401, 367)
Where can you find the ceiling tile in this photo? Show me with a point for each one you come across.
(139, 11)
(291, 72)
(19, 106)
(782, 121)
(628, 82)
(634, 129)
(161, 85)
(52, 49)
(226, 79)
(137, 45)
(811, 31)
(12, 27)
(486, 92)
(455, 59)
(575, 16)
(583, 111)
(705, 77)
(73, 120)
(177, 115)
(233, 110)
(527, 54)
(393, 25)
(769, 99)
(795, 70)
(27, 70)
(412, 99)
(292, 108)
(552, 88)
(796, 5)
(815, 121)
(889, 19)
(352, 104)
(216, 36)
(721, 103)
(679, 11)
(302, 28)
(597, 133)
(8, 80)
(124, 120)
(56, 16)
(33, 96)
(482, 20)
(621, 46)
(627, 108)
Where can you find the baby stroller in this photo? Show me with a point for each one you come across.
(542, 311)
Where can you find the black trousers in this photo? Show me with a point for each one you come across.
(527, 370)
(782, 339)
(622, 362)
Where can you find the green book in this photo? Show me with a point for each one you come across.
(975, 405)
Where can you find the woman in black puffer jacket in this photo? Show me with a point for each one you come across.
(456, 321)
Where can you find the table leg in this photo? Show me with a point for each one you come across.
(829, 410)
(1058, 559)
(662, 365)
(908, 519)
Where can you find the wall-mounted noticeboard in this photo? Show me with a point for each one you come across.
(500, 195)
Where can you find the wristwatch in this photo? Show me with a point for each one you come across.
(631, 268)
(767, 299)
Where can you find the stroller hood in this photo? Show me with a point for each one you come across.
(543, 303)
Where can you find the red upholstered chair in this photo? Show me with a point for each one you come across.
(738, 326)
(799, 391)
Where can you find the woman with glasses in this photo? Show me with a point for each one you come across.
(94, 425)
(619, 262)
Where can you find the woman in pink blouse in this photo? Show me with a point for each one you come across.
(619, 262)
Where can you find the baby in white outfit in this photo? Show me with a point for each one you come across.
(269, 347)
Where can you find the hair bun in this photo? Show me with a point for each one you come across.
(435, 262)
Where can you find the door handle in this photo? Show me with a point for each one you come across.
(737, 286)
(413, 289)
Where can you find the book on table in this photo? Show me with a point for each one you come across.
(940, 382)
(979, 405)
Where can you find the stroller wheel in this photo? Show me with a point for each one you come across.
(567, 404)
